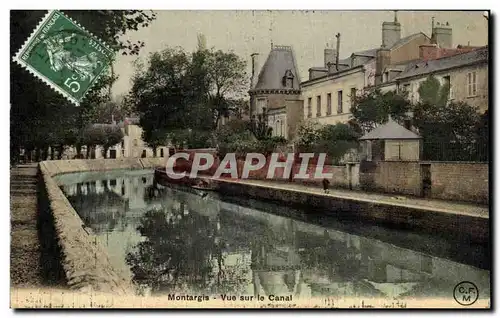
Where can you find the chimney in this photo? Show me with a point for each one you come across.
(442, 35)
(255, 73)
(428, 52)
(330, 56)
(383, 59)
(391, 32)
(337, 52)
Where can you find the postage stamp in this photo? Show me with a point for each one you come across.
(65, 56)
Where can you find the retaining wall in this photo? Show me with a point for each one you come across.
(460, 180)
(84, 261)
(427, 220)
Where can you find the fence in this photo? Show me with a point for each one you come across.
(449, 151)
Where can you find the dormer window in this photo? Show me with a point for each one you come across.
(288, 79)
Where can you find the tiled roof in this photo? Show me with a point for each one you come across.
(390, 130)
(427, 67)
(279, 60)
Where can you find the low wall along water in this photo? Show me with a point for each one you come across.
(84, 261)
(87, 267)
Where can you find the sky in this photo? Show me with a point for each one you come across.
(308, 32)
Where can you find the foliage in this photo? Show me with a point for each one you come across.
(105, 135)
(176, 250)
(432, 92)
(226, 76)
(307, 136)
(374, 107)
(334, 140)
(449, 129)
(482, 137)
(448, 132)
(174, 91)
(337, 140)
(260, 127)
(40, 117)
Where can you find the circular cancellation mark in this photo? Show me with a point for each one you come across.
(466, 293)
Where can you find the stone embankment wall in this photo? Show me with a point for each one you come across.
(84, 260)
(476, 229)
(460, 181)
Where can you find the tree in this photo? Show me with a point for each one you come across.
(185, 94)
(35, 108)
(336, 140)
(155, 138)
(105, 135)
(307, 136)
(483, 137)
(226, 73)
(112, 136)
(432, 92)
(374, 107)
(159, 93)
(260, 126)
(448, 129)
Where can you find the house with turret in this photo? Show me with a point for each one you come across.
(275, 91)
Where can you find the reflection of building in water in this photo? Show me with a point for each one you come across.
(280, 256)
(131, 188)
(333, 262)
(276, 267)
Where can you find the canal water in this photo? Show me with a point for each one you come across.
(172, 240)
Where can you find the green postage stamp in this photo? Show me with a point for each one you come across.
(65, 56)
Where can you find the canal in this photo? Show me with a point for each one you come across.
(172, 240)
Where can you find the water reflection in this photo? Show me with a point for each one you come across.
(176, 241)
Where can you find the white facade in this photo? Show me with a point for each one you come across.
(277, 121)
(131, 146)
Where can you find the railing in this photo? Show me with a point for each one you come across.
(448, 151)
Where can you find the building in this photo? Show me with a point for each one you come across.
(131, 146)
(327, 94)
(391, 142)
(465, 73)
(275, 92)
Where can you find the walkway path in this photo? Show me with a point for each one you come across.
(378, 198)
(25, 269)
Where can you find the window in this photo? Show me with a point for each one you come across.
(447, 82)
(135, 143)
(288, 79)
(318, 106)
(339, 102)
(143, 153)
(309, 107)
(329, 104)
(471, 84)
(161, 152)
(353, 95)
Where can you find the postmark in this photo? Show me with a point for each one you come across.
(465, 293)
(65, 56)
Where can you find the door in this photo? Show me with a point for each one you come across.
(112, 153)
(425, 174)
(349, 175)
